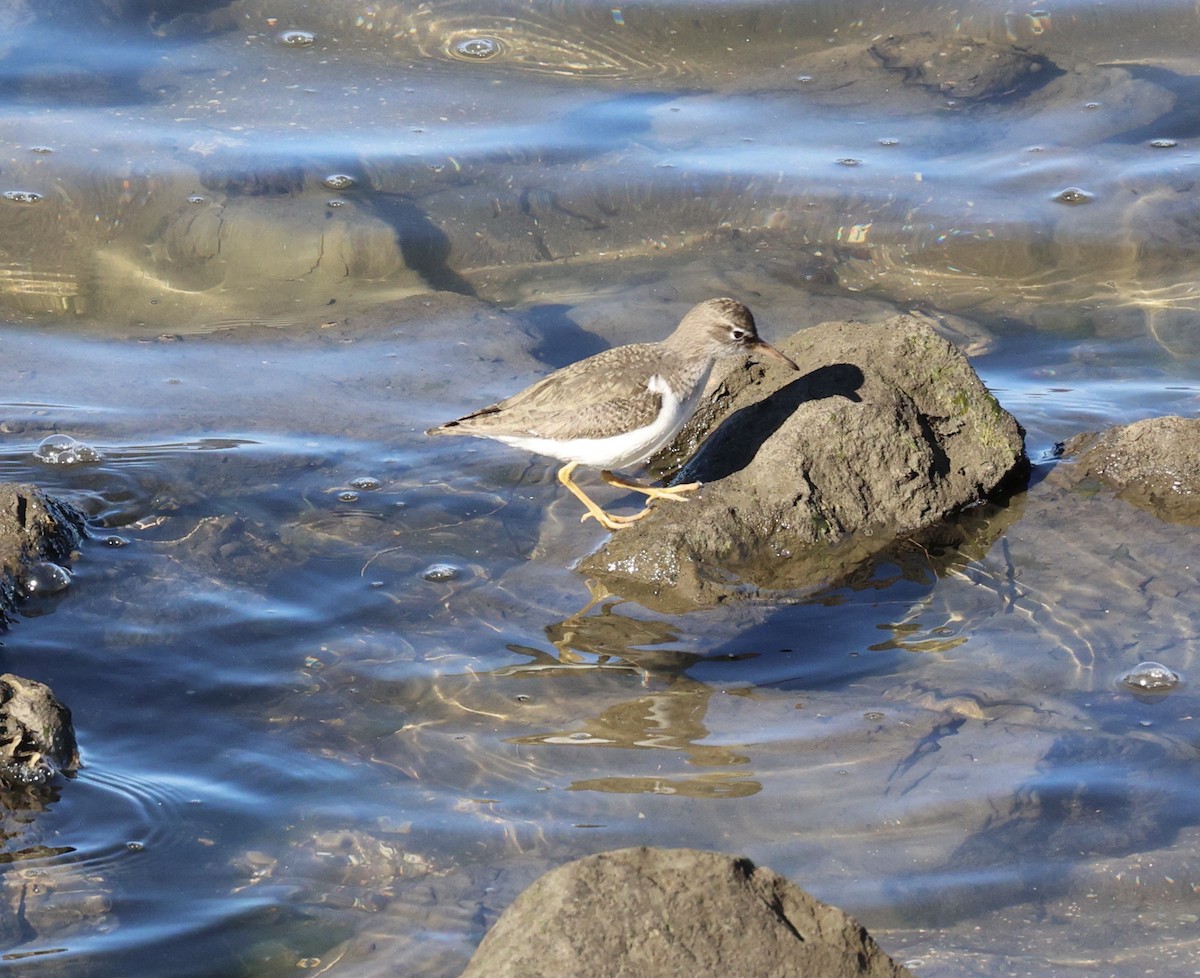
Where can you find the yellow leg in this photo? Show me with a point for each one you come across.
(651, 492)
(601, 517)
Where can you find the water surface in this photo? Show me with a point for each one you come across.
(338, 691)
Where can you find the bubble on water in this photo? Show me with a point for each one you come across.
(889, 141)
(474, 47)
(440, 573)
(338, 181)
(367, 483)
(296, 39)
(804, 79)
(44, 577)
(1074, 196)
(1151, 677)
(348, 496)
(22, 196)
(1163, 144)
(849, 161)
(115, 541)
(335, 203)
(197, 199)
(43, 150)
(1091, 106)
(65, 450)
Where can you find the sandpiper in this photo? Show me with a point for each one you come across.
(619, 407)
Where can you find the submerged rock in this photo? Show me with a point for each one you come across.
(1153, 464)
(34, 528)
(661, 913)
(963, 67)
(888, 432)
(37, 739)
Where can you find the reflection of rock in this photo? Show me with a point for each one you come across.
(1154, 464)
(668, 912)
(33, 527)
(889, 432)
(963, 67)
(259, 240)
(51, 903)
(37, 740)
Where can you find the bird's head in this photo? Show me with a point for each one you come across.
(723, 328)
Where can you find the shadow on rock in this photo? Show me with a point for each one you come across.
(733, 446)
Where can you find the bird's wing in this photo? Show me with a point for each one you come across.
(609, 390)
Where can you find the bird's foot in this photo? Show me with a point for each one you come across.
(612, 522)
(675, 493)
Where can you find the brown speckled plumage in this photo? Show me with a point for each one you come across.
(618, 407)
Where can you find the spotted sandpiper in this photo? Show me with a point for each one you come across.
(619, 407)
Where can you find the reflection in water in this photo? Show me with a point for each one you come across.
(952, 208)
(668, 715)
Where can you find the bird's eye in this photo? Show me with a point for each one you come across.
(738, 334)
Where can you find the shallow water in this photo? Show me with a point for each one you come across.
(338, 692)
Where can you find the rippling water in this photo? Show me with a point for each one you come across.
(338, 692)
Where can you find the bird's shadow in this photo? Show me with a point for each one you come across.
(737, 440)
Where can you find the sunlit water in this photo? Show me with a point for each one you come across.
(338, 692)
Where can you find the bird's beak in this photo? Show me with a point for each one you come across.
(764, 348)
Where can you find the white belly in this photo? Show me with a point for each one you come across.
(626, 449)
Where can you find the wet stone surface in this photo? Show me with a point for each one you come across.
(1153, 464)
(34, 528)
(37, 738)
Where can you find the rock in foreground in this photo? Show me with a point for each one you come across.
(889, 431)
(674, 913)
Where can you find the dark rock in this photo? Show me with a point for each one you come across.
(37, 740)
(963, 67)
(888, 432)
(661, 913)
(1153, 464)
(34, 527)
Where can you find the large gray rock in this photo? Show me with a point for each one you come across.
(888, 432)
(674, 913)
(33, 527)
(1153, 464)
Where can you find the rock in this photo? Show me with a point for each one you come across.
(660, 913)
(34, 527)
(963, 67)
(1153, 464)
(37, 740)
(889, 432)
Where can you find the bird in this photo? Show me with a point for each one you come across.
(617, 408)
